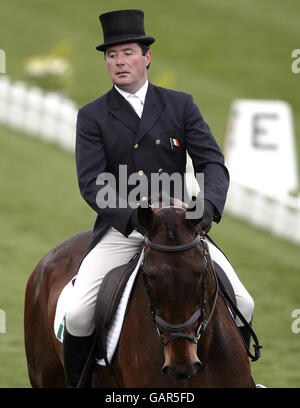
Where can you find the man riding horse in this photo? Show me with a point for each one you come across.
(148, 129)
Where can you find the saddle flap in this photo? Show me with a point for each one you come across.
(108, 298)
(225, 286)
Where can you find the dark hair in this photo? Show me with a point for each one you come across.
(145, 48)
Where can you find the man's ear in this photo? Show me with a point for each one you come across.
(145, 217)
(148, 57)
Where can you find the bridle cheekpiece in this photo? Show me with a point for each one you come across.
(178, 331)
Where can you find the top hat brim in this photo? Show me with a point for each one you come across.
(147, 40)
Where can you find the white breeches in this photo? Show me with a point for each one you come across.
(114, 250)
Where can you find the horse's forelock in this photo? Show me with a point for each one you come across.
(163, 200)
(169, 219)
(170, 223)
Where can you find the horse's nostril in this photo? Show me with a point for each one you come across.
(172, 372)
(189, 373)
(192, 370)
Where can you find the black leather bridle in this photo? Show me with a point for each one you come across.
(178, 331)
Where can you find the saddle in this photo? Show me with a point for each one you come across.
(108, 298)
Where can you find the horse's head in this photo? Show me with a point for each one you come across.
(174, 273)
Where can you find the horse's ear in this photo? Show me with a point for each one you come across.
(191, 220)
(192, 217)
(145, 217)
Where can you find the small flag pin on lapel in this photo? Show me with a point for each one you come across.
(174, 143)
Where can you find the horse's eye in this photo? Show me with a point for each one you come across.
(151, 277)
(197, 273)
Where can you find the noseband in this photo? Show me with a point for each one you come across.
(178, 331)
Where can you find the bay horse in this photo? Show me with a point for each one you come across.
(177, 331)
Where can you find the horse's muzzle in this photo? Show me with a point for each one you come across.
(181, 359)
(179, 374)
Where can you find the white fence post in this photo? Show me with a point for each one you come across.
(2, 321)
(5, 89)
(17, 105)
(34, 99)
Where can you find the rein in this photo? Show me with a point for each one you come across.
(177, 331)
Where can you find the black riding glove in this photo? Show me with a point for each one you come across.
(208, 212)
(208, 216)
(135, 223)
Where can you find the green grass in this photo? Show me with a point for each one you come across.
(269, 268)
(216, 50)
(40, 206)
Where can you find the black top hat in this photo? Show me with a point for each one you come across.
(123, 26)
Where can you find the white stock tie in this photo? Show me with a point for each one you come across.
(136, 103)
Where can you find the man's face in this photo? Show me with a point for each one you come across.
(127, 66)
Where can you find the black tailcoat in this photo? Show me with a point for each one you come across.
(110, 134)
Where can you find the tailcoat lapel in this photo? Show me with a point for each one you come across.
(122, 110)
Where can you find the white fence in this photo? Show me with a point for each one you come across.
(52, 117)
(280, 217)
(49, 116)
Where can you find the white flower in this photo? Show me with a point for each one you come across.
(38, 67)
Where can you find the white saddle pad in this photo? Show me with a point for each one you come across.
(114, 331)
